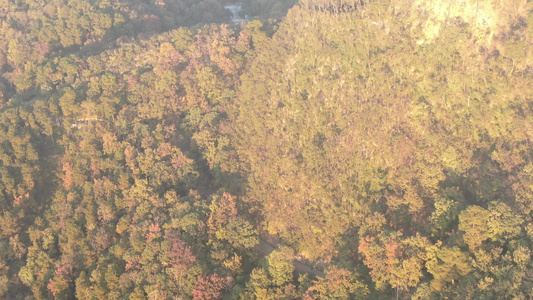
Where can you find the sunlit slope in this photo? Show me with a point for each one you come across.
(354, 118)
(486, 18)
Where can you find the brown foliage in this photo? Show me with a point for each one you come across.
(210, 287)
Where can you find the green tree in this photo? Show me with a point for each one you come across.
(474, 222)
(446, 265)
(280, 266)
(338, 283)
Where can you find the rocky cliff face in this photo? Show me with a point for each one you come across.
(487, 18)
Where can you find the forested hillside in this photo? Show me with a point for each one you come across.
(323, 150)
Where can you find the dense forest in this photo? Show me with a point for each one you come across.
(323, 149)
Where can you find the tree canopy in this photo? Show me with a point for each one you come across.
(321, 150)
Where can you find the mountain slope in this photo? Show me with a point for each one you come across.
(357, 128)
